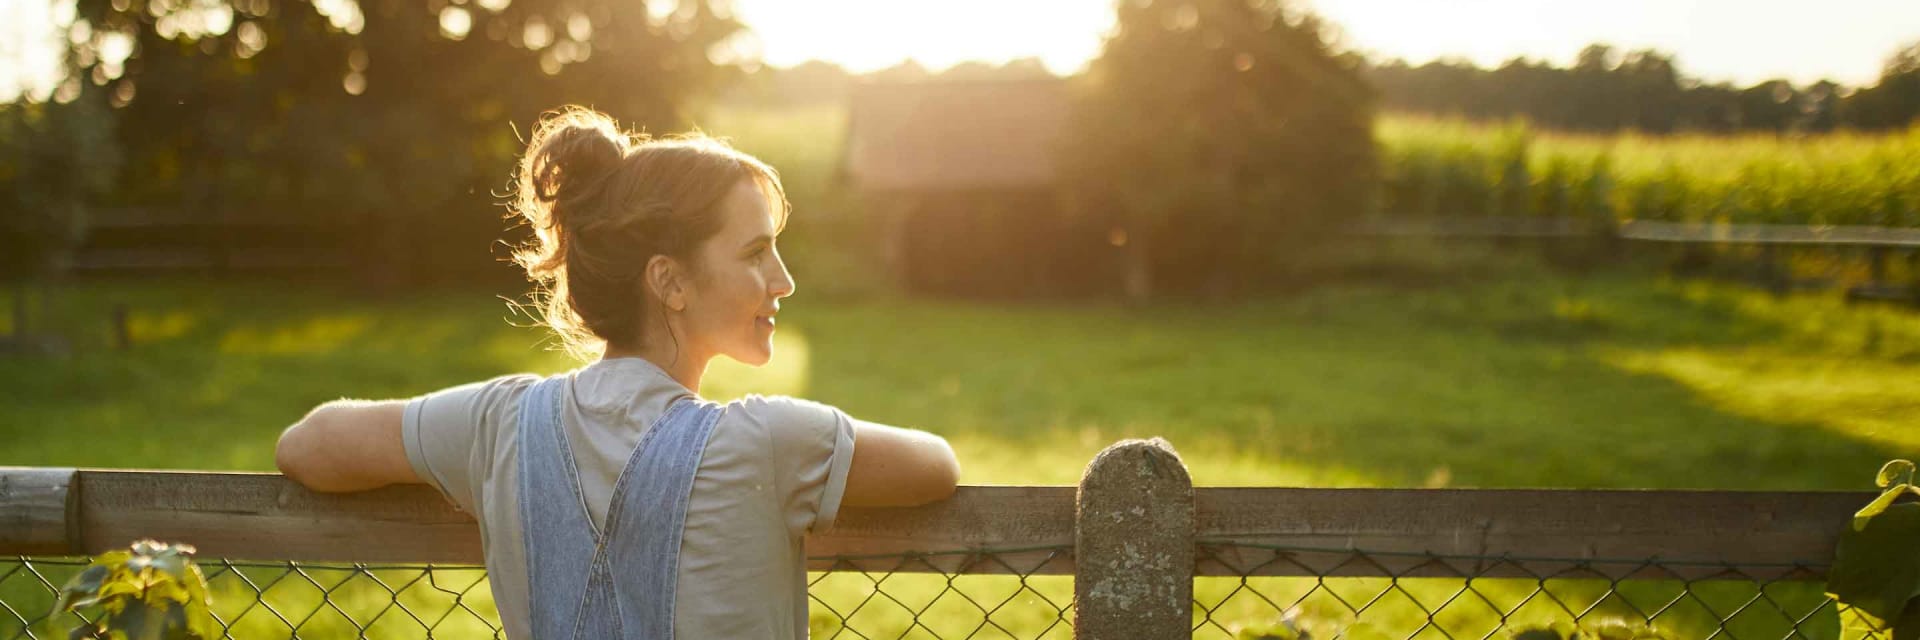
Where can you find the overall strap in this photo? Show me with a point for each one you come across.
(616, 584)
(557, 531)
(649, 514)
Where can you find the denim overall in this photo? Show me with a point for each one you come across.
(618, 584)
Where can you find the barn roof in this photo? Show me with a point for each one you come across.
(954, 134)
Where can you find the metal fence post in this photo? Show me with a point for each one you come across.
(1133, 545)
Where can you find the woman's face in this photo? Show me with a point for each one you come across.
(739, 281)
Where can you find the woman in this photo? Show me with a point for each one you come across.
(613, 501)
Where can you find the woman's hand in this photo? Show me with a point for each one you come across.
(346, 445)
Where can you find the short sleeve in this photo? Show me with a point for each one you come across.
(812, 448)
(449, 435)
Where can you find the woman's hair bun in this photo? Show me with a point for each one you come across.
(575, 149)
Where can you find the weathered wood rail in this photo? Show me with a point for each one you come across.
(265, 516)
(1879, 244)
(1133, 534)
(1644, 230)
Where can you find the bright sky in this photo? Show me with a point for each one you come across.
(1743, 41)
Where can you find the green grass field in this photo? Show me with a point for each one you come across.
(1618, 380)
(1534, 378)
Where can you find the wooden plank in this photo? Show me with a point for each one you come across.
(1761, 533)
(1478, 227)
(34, 507)
(980, 517)
(266, 517)
(1770, 234)
(261, 516)
(137, 258)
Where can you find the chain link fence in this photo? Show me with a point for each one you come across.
(992, 594)
(1303, 592)
(1258, 590)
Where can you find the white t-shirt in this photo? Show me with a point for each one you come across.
(774, 469)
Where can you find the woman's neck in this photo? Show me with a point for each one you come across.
(683, 368)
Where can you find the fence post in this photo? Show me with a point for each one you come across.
(1133, 545)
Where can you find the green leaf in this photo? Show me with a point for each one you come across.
(1876, 568)
(82, 586)
(1878, 505)
(1892, 470)
(172, 563)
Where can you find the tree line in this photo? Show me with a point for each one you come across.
(400, 120)
(1200, 120)
(1607, 90)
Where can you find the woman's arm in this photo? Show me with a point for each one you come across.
(346, 445)
(894, 467)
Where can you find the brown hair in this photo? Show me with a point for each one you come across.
(602, 202)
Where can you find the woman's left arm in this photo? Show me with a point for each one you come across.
(346, 445)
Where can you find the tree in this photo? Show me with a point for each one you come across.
(56, 161)
(1227, 132)
(1895, 100)
(395, 119)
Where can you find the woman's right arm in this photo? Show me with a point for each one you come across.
(895, 467)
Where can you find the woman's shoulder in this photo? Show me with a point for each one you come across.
(491, 394)
(779, 409)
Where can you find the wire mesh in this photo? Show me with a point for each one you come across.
(1288, 591)
(1252, 591)
(961, 594)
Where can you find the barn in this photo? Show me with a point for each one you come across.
(963, 176)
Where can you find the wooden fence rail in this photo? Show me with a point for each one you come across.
(1134, 520)
(1643, 230)
(1880, 244)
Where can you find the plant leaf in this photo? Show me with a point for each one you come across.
(1878, 505)
(84, 586)
(1892, 470)
(1875, 567)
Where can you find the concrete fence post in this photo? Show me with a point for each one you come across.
(1133, 545)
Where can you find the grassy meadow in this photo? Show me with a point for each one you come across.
(1602, 380)
(1509, 378)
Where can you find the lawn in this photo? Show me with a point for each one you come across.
(1515, 377)
(1621, 379)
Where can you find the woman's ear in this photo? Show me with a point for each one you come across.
(663, 277)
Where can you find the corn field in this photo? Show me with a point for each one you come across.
(1441, 167)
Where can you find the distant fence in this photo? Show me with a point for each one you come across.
(1879, 245)
(1135, 551)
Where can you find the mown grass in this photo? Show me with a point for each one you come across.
(1530, 379)
(1435, 366)
(1603, 380)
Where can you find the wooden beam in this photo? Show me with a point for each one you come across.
(1764, 534)
(266, 517)
(1770, 234)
